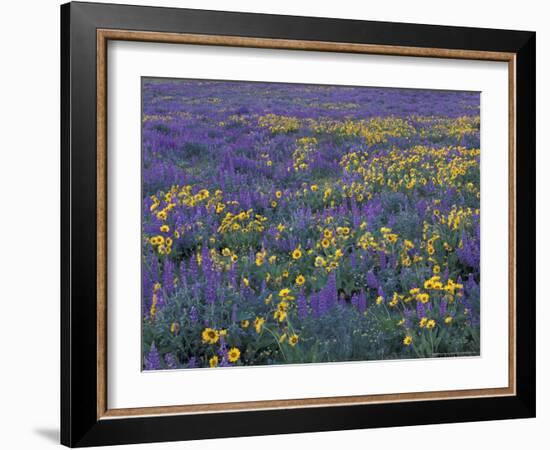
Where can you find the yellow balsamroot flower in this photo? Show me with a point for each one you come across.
(226, 252)
(281, 312)
(284, 292)
(258, 324)
(269, 163)
(293, 340)
(285, 274)
(448, 320)
(175, 328)
(164, 228)
(344, 231)
(234, 258)
(246, 282)
(385, 230)
(423, 298)
(407, 340)
(297, 253)
(436, 269)
(213, 361)
(401, 322)
(430, 324)
(210, 336)
(320, 262)
(280, 315)
(414, 291)
(394, 300)
(280, 228)
(300, 280)
(338, 253)
(327, 234)
(391, 237)
(278, 194)
(408, 244)
(423, 322)
(245, 323)
(233, 355)
(282, 338)
(314, 188)
(223, 332)
(267, 300)
(325, 243)
(272, 259)
(379, 300)
(273, 204)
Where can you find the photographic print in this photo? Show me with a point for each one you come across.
(300, 223)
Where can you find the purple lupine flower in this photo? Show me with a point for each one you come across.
(420, 310)
(152, 359)
(205, 259)
(192, 363)
(323, 302)
(372, 281)
(314, 301)
(222, 352)
(301, 304)
(382, 259)
(380, 293)
(193, 315)
(193, 269)
(210, 288)
(170, 361)
(443, 307)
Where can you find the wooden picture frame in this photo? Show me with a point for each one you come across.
(86, 418)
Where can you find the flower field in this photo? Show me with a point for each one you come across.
(287, 223)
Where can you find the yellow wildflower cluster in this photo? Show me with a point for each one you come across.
(245, 222)
(373, 131)
(279, 124)
(305, 147)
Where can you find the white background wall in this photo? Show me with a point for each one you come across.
(29, 222)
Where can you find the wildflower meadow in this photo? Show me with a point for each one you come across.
(292, 223)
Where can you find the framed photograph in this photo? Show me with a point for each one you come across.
(276, 224)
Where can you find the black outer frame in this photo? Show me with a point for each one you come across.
(79, 423)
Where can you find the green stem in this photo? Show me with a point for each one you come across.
(277, 341)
